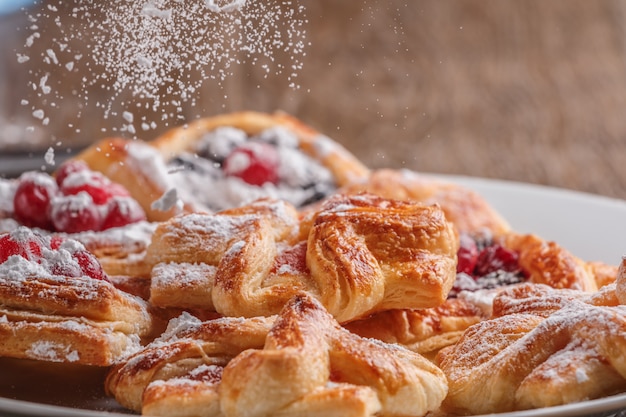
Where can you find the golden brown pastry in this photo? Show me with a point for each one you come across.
(547, 262)
(424, 331)
(219, 162)
(466, 209)
(506, 260)
(544, 347)
(620, 282)
(302, 364)
(57, 304)
(358, 255)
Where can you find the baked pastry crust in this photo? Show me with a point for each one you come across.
(142, 166)
(424, 331)
(543, 347)
(466, 209)
(357, 255)
(68, 319)
(303, 364)
(547, 262)
(428, 330)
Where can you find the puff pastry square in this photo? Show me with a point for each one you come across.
(50, 313)
(357, 255)
(300, 363)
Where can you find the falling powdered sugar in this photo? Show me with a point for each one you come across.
(155, 54)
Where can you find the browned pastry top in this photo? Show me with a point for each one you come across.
(358, 254)
(300, 363)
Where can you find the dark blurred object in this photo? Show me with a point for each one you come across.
(531, 91)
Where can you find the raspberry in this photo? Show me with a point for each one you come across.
(66, 269)
(254, 162)
(99, 187)
(467, 255)
(22, 242)
(32, 199)
(494, 258)
(56, 241)
(75, 213)
(69, 168)
(89, 265)
(122, 211)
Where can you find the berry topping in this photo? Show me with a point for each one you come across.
(78, 200)
(99, 187)
(75, 213)
(467, 254)
(496, 258)
(58, 255)
(254, 162)
(292, 260)
(32, 199)
(89, 265)
(122, 211)
(485, 264)
(22, 242)
(69, 168)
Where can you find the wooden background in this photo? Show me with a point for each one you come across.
(532, 90)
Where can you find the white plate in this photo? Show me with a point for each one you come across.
(592, 227)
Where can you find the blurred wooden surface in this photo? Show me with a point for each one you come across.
(532, 91)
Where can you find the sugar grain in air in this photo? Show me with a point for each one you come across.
(153, 55)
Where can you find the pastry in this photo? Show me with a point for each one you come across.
(57, 304)
(544, 347)
(300, 363)
(220, 162)
(465, 208)
(424, 331)
(82, 205)
(486, 265)
(357, 255)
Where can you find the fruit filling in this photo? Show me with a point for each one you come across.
(485, 264)
(57, 256)
(228, 168)
(76, 200)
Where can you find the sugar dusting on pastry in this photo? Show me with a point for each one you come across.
(200, 178)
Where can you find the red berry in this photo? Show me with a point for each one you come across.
(99, 187)
(89, 265)
(32, 198)
(75, 213)
(467, 255)
(22, 242)
(496, 258)
(68, 168)
(254, 162)
(122, 211)
(56, 241)
(66, 269)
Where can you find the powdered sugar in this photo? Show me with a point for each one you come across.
(199, 179)
(156, 54)
(52, 351)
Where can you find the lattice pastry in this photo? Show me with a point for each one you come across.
(302, 363)
(57, 304)
(220, 162)
(357, 255)
(544, 347)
